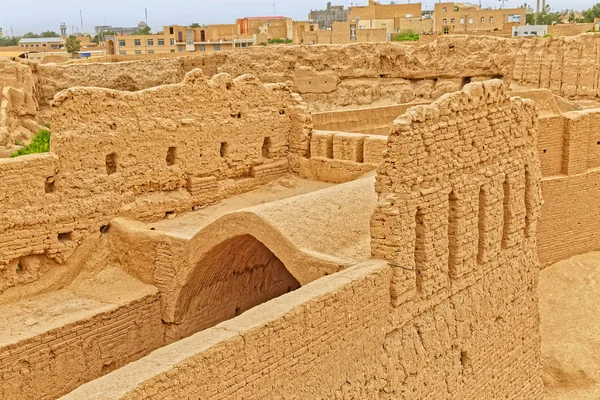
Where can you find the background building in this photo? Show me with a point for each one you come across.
(530, 30)
(43, 43)
(466, 17)
(388, 16)
(326, 18)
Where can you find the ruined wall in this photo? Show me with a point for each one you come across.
(372, 120)
(342, 156)
(51, 363)
(565, 65)
(18, 104)
(438, 321)
(129, 76)
(569, 149)
(147, 154)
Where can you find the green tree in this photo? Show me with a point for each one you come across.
(545, 17)
(590, 14)
(143, 31)
(49, 34)
(31, 35)
(7, 41)
(73, 44)
(100, 37)
(195, 25)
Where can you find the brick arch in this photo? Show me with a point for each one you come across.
(232, 277)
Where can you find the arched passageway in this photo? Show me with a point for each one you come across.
(232, 277)
(111, 48)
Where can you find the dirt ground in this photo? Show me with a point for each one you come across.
(570, 325)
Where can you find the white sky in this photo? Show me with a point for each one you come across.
(40, 15)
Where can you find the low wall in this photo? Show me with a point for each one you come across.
(569, 149)
(339, 337)
(342, 156)
(372, 120)
(130, 76)
(186, 152)
(51, 363)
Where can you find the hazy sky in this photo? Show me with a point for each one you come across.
(41, 15)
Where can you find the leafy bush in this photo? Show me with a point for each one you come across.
(39, 144)
(548, 35)
(407, 36)
(279, 41)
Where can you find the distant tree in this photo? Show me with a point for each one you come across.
(99, 38)
(590, 14)
(31, 35)
(545, 17)
(195, 25)
(7, 41)
(143, 31)
(49, 34)
(73, 44)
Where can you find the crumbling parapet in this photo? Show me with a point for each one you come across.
(146, 155)
(459, 191)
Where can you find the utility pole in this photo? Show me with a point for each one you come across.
(81, 17)
(146, 11)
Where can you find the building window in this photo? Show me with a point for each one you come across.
(217, 47)
(150, 51)
(138, 52)
(446, 30)
(352, 32)
(171, 30)
(137, 42)
(453, 20)
(456, 8)
(444, 21)
(462, 21)
(150, 42)
(161, 42)
(491, 20)
(122, 52)
(172, 42)
(482, 20)
(172, 51)
(180, 49)
(189, 37)
(470, 20)
(121, 43)
(202, 47)
(444, 9)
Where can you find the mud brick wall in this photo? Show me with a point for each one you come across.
(129, 76)
(474, 344)
(569, 148)
(57, 361)
(141, 155)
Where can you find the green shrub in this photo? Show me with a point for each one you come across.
(276, 41)
(548, 35)
(407, 36)
(39, 144)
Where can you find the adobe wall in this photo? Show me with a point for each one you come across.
(129, 76)
(372, 120)
(438, 320)
(50, 364)
(565, 65)
(355, 345)
(18, 104)
(145, 155)
(569, 149)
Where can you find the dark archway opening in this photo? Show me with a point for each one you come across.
(234, 276)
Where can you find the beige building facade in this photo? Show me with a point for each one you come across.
(466, 17)
(180, 39)
(383, 16)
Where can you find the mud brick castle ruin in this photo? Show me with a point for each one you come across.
(363, 221)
